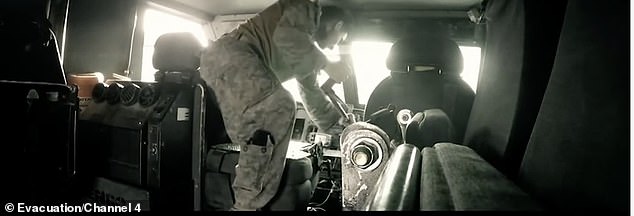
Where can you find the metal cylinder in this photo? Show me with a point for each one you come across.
(398, 186)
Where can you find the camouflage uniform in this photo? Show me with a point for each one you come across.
(245, 69)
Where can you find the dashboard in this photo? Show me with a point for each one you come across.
(304, 127)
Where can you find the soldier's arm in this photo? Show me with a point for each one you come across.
(293, 37)
(318, 107)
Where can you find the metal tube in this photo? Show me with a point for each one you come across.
(398, 186)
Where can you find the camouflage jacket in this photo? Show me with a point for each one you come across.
(282, 35)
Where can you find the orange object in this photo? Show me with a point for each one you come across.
(85, 83)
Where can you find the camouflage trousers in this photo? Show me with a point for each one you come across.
(251, 98)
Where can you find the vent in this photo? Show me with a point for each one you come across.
(113, 93)
(99, 92)
(130, 94)
(148, 95)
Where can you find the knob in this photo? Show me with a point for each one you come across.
(99, 92)
(130, 94)
(113, 93)
(148, 95)
(404, 116)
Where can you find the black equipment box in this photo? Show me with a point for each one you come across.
(142, 134)
(38, 140)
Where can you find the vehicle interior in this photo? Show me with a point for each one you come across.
(459, 105)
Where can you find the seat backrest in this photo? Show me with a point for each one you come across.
(28, 45)
(578, 154)
(521, 43)
(412, 86)
(180, 52)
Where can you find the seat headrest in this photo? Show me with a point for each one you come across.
(425, 50)
(178, 51)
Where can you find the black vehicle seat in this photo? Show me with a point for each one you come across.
(454, 177)
(522, 39)
(296, 188)
(180, 52)
(578, 152)
(578, 156)
(411, 86)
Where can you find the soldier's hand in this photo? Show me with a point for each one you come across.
(345, 122)
(338, 71)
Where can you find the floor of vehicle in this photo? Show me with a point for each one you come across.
(327, 194)
(327, 197)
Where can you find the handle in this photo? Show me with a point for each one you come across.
(335, 100)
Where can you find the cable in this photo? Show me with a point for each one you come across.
(332, 188)
(316, 209)
(333, 183)
(329, 163)
(325, 200)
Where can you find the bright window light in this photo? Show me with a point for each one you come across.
(369, 65)
(471, 62)
(368, 59)
(291, 86)
(157, 23)
(332, 55)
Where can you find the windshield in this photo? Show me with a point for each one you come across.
(369, 65)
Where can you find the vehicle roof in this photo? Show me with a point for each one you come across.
(222, 7)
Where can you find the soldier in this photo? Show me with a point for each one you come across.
(245, 69)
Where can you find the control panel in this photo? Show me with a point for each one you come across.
(304, 129)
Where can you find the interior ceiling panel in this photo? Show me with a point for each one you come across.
(222, 7)
(407, 4)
